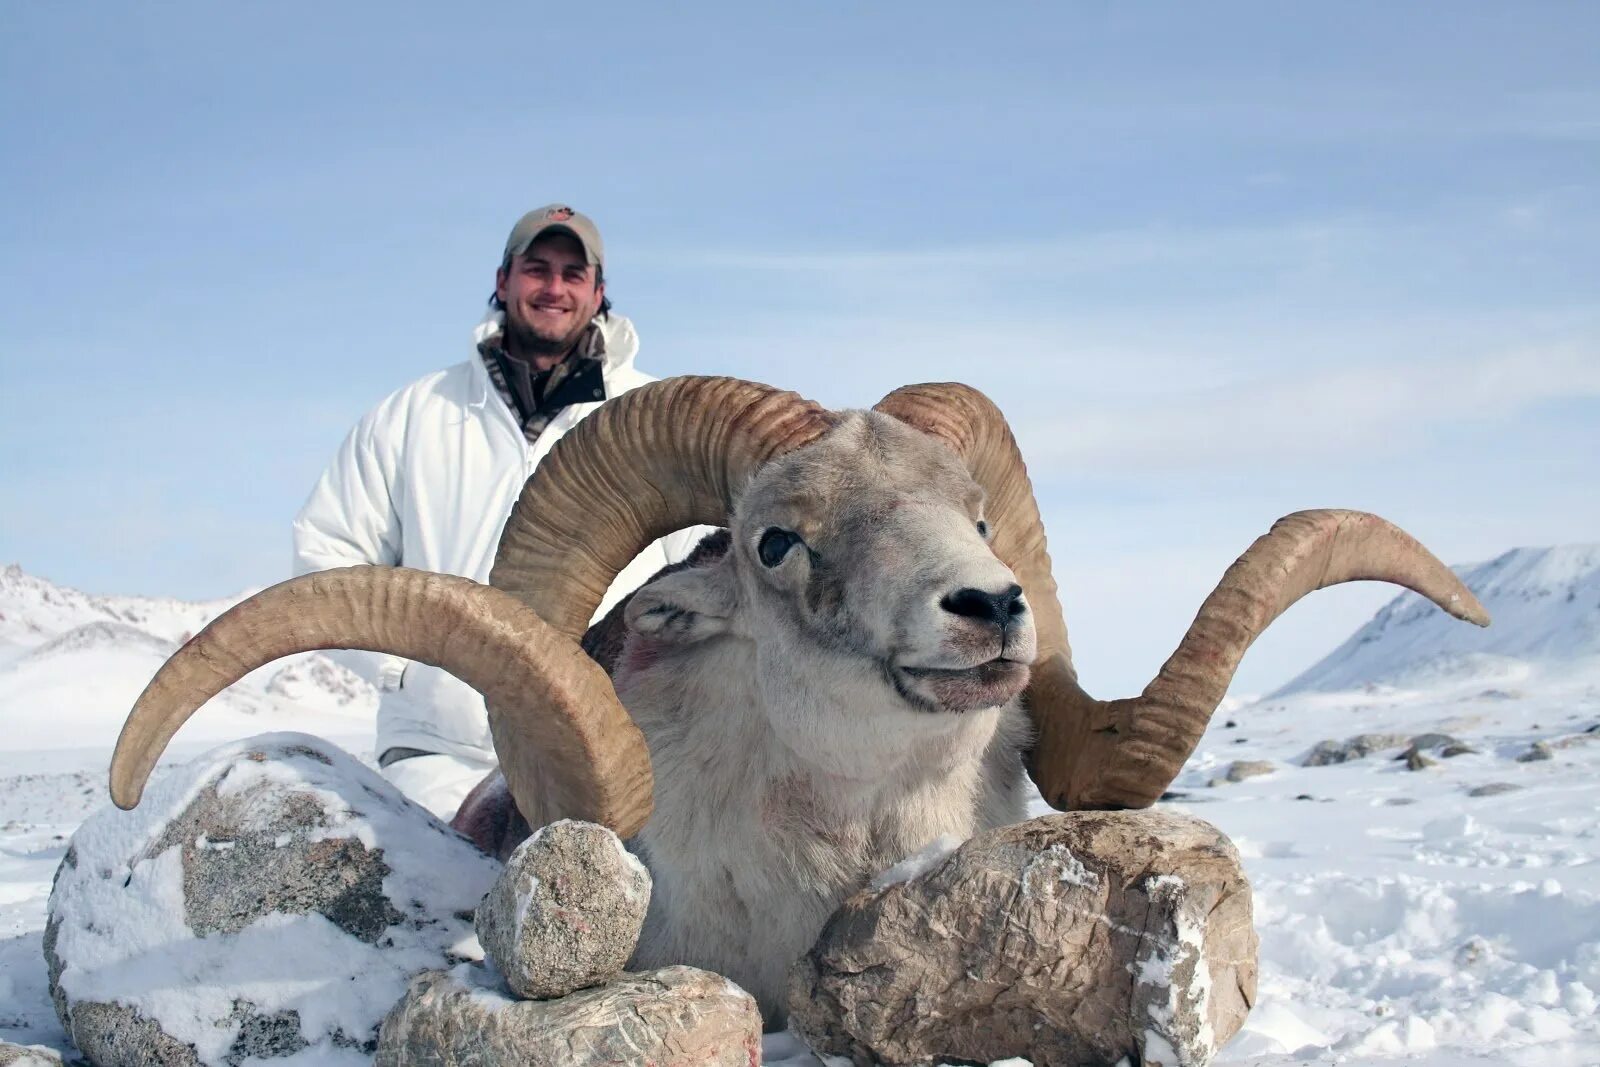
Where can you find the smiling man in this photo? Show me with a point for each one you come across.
(551, 290)
(427, 478)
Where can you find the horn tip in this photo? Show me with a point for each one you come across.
(126, 792)
(1467, 608)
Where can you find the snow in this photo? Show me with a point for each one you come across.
(919, 862)
(1403, 920)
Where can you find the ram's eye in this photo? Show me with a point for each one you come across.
(775, 545)
(983, 529)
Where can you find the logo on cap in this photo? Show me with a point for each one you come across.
(558, 214)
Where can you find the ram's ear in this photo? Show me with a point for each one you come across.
(687, 606)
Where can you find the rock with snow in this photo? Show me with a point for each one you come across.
(1073, 938)
(673, 1017)
(28, 1056)
(566, 912)
(1328, 753)
(1243, 770)
(1430, 742)
(1416, 761)
(1537, 752)
(1493, 789)
(272, 899)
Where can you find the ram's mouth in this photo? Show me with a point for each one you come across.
(987, 685)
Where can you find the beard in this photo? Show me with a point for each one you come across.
(521, 337)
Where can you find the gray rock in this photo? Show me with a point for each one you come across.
(1327, 753)
(1076, 938)
(28, 1056)
(1460, 748)
(1538, 751)
(673, 1017)
(277, 858)
(1424, 742)
(114, 1034)
(237, 865)
(1242, 769)
(1493, 789)
(1416, 761)
(566, 912)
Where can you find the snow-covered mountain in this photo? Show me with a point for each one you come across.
(34, 610)
(72, 664)
(1545, 603)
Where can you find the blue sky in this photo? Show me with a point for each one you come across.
(1216, 264)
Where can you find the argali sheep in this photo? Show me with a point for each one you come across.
(871, 663)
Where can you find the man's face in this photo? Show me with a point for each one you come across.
(550, 293)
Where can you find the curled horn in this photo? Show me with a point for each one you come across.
(660, 458)
(1124, 753)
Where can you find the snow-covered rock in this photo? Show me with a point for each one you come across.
(268, 902)
(1085, 937)
(566, 912)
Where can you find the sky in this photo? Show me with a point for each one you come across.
(1215, 263)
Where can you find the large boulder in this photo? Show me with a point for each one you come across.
(271, 900)
(566, 912)
(673, 1017)
(1073, 939)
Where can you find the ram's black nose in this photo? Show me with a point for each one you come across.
(998, 608)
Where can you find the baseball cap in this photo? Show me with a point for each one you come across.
(558, 218)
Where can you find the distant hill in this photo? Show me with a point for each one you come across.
(72, 664)
(1545, 603)
(34, 610)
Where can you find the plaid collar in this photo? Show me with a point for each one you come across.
(536, 397)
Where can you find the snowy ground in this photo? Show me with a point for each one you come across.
(1403, 920)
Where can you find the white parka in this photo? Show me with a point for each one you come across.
(426, 479)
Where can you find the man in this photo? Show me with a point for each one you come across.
(428, 477)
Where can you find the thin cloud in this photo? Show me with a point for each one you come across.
(1083, 253)
(1343, 411)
